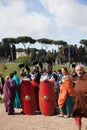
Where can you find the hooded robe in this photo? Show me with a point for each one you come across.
(80, 106)
(9, 95)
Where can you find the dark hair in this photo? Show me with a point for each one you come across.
(49, 62)
(14, 72)
(73, 65)
(11, 75)
(65, 69)
(59, 70)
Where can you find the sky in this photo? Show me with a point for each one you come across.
(53, 19)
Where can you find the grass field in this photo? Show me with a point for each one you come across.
(14, 66)
(10, 68)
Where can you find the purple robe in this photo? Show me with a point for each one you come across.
(9, 95)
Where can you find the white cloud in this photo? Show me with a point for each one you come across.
(17, 20)
(14, 20)
(67, 13)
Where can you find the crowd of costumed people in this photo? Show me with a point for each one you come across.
(62, 92)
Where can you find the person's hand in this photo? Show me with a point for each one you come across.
(60, 82)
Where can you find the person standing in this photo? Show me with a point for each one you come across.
(50, 75)
(80, 106)
(1, 84)
(59, 74)
(17, 103)
(66, 94)
(9, 92)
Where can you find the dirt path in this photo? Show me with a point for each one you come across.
(35, 122)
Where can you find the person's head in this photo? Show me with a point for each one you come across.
(23, 73)
(11, 75)
(64, 70)
(73, 65)
(80, 70)
(49, 67)
(14, 72)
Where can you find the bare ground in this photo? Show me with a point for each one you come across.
(36, 122)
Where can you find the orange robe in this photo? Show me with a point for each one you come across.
(66, 87)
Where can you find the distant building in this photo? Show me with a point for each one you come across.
(20, 54)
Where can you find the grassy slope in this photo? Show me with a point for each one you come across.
(11, 67)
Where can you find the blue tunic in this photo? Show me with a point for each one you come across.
(17, 103)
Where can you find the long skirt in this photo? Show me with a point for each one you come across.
(17, 103)
(68, 105)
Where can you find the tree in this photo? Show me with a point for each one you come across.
(50, 57)
(14, 52)
(33, 53)
(83, 42)
(25, 40)
(60, 44)
(45, 42)
(42, 55)
(11, 42)
(82, 57)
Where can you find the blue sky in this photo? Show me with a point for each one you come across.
(53, 19)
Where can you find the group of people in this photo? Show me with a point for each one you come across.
(73, 94)
(70, 90)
